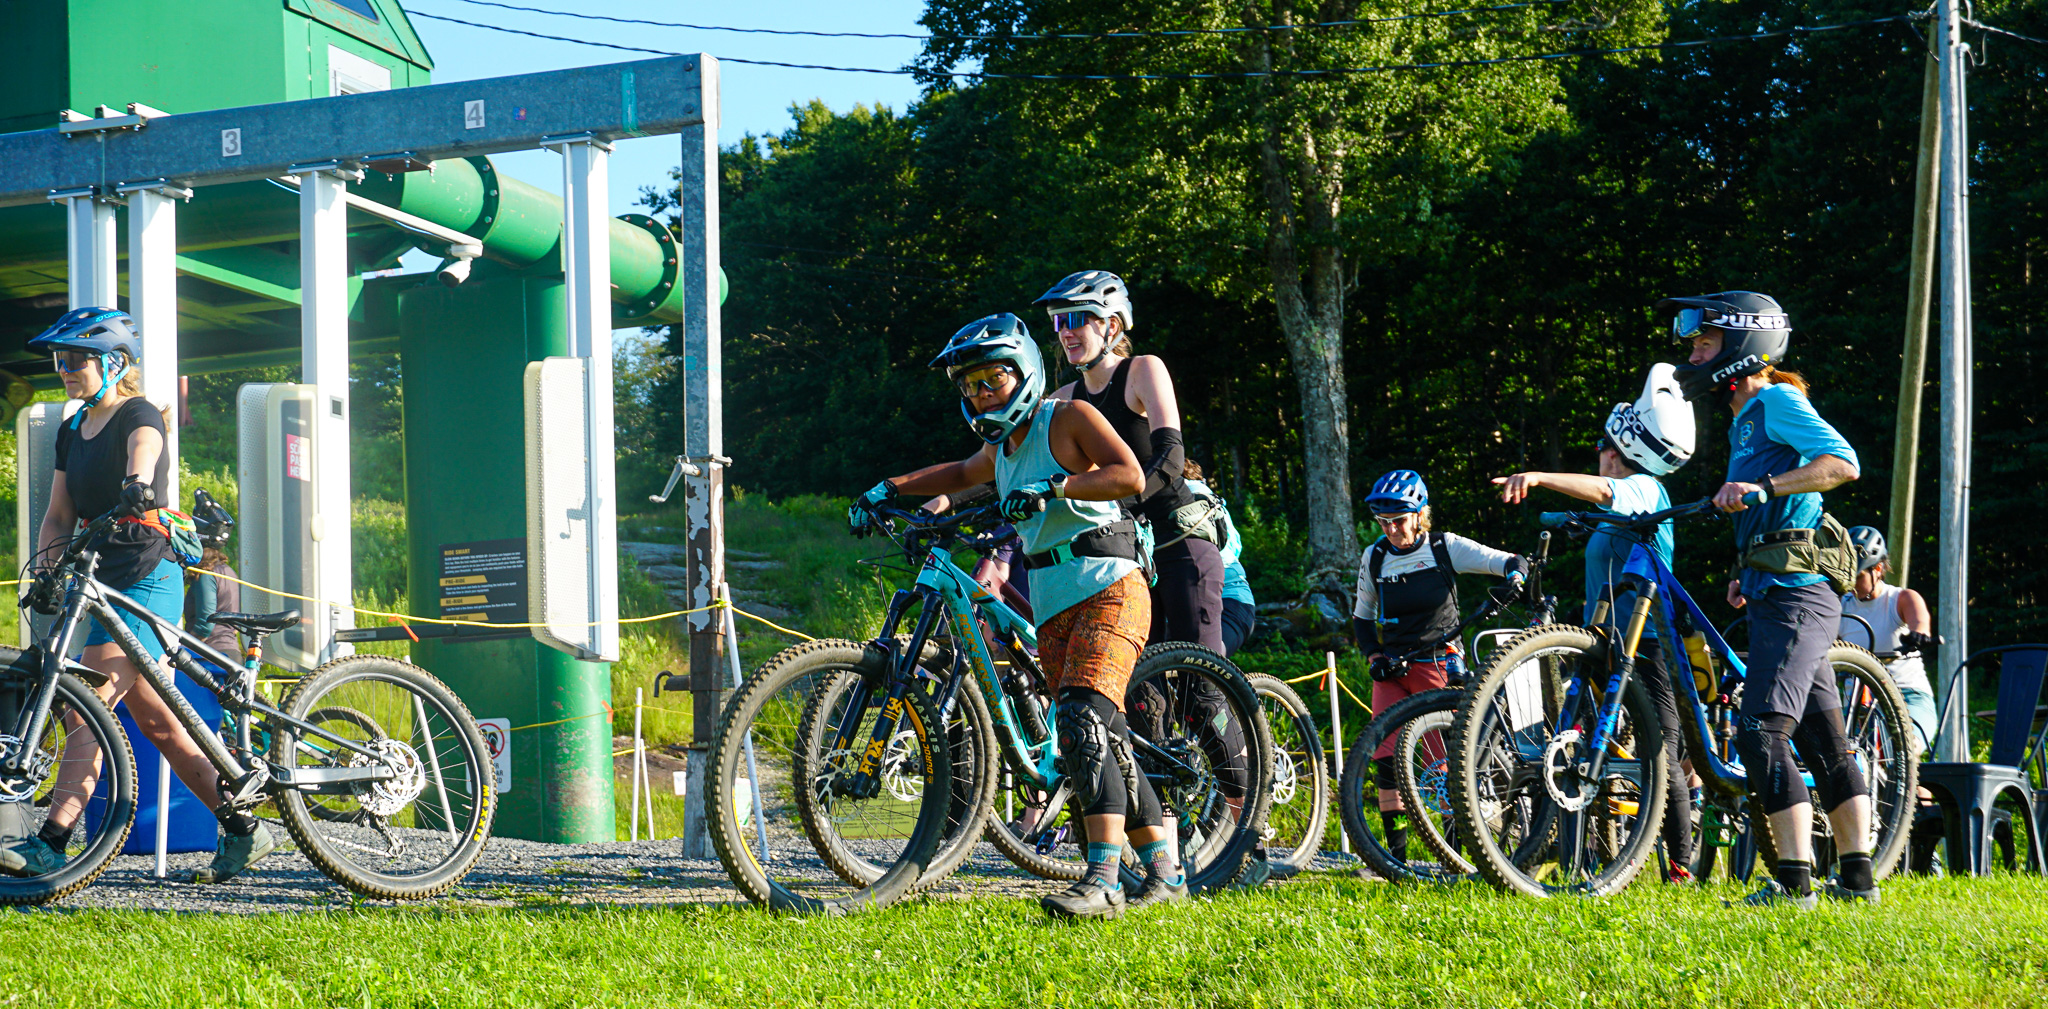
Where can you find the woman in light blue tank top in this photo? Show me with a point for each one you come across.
(1060, 470)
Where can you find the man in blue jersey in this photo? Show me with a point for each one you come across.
(1781, 451)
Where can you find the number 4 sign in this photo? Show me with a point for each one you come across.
(473, 115)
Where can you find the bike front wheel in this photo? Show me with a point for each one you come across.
(1300, 780)
(1210, 757)
(80, 732)
(1416, 725)
(414, 827)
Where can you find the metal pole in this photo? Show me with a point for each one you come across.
(704, 437)
(633, 832)
(153, 299)
(732, 652)
(1919, 293)
(1336, 741)
(323, 313)
(163, 814)
(587, 271)
(1955, 388)
(90, 248)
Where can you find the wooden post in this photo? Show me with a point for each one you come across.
(1919, 293)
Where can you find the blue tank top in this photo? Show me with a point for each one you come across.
(1060, 586)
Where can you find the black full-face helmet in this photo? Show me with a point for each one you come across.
(1755, 332)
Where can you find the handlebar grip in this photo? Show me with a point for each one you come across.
(1556, 518)
(1753, 498)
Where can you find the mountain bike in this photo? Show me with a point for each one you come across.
(886, 759)
(1558, 760)
(1301, 779)
(375, 767)
(1418, 726)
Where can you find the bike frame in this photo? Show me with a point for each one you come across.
(85, 596)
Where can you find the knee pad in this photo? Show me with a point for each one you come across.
(1084, 739)
(1765, 742)
(1383, 773)
(1825, 744)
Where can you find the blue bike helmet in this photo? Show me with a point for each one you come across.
(1000, 339)
(108, 332)
(1398, 492)
(1869, 546)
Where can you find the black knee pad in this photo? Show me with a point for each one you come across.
(1222, 737)
(1765, 742)
(1825, 744)
(1145, 809)
(1384, 774)
(1086, 754)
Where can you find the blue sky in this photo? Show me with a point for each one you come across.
(756, 99)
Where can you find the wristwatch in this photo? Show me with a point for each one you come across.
(1770, 489)
(1059, 485)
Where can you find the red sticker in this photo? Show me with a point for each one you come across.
(295, 463)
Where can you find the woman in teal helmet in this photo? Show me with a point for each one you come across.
(111, 455)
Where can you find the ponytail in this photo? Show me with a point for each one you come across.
(1791, 378)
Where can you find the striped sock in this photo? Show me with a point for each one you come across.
(1102, 860)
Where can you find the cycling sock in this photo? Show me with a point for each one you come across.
(235, 821)
(1102, 860)
(1396, 834)
(1855, 871)
(58, 838)
(1795, 875)
(1160, 861)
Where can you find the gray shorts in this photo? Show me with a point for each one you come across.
(1790, 631)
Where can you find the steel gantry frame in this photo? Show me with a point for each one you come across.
(152, 160)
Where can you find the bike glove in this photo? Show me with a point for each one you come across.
(1025, 501)
(1914, 641)
(1384, 669)
(137, 495)
(860, 515)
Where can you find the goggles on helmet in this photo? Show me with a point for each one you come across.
(1686, 324)
(71, 362)
(1072, 320)
(984, 378)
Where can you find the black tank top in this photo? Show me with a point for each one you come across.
(1136, 431)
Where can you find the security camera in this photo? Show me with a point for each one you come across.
(455, 272)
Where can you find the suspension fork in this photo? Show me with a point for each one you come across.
(1610, 712)
(35, 716)
(866, 779)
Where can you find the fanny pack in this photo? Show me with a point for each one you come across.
(177, 527)
(1117, 539)
(1196, 519)
(1825, 551)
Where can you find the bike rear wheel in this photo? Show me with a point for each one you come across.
(1300, 779)
(1416, 717)
(79, 721)
(1881, 741)
(1214, 783)
(1529, 812)
(409, 836)
(760, 750)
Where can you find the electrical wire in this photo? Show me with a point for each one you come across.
(1796, 31)
(2000, 31)
(1159, 33)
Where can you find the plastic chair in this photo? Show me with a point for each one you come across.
(1967, 792)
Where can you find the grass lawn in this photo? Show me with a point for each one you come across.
(1317, 941)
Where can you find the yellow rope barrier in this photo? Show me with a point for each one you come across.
(561, 721)
(769, 622)
(1325, 674)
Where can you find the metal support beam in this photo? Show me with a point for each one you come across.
(153, 300)
(323, 287)
(704, 435)
(90, 249)
(587, 271)
(1952, 605)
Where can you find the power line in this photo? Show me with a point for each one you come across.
(2000, 31)
(1796, 32)
(1159, 33)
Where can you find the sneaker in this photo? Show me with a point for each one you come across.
(1834, 890)
(1158, 890)
(30, 856)
(1678, 874)
(1085, 899)
(236, 853)
(1774, 894)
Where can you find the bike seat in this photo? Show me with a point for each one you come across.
(257, 623)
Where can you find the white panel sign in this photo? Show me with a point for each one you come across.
(498, 743)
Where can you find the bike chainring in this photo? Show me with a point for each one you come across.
(1561, 777)
(386, 797)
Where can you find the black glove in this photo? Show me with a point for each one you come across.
(1506, 592)
(42, 594)
(1025, 501)
(1914, 641)
(137, 496)
(1384, 669)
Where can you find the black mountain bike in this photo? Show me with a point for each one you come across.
(375, 767)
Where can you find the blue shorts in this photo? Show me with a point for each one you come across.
(162, 592)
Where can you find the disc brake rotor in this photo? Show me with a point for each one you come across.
(23, 788)
(901, 773)
(386, 797)
(1561, 774)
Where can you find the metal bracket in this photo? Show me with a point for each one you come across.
(398, 162)
(72, 123)
(164, 186)
(349, 170)
(562, 139)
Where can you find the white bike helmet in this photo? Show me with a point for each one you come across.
(1656, 432)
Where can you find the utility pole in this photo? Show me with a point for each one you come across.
(1956, 394)
(1919, 292)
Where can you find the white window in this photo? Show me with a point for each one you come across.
(349, 74)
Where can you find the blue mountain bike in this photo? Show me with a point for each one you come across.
(879, 765)
(1558, 760)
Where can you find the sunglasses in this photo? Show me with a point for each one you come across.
(1686, 324)
(1072, 320)
(983, 379)
(1387, 520)
(70, 362)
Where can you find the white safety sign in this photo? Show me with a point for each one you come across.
(498, 742)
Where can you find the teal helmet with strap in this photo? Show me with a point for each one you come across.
(996, 339)
(107, 333)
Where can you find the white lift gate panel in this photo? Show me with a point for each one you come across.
(560, 533)
(279, 470)
(35, 438)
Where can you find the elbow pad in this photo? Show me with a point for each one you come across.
(1169, 458)
(1366, 634)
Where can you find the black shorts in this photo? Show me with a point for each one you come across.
(1791, 629)
(1238, 620)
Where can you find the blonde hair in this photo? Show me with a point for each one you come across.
(130, 385)
(1422, 523)
(1119, 342)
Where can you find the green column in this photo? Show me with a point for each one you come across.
(464, 351)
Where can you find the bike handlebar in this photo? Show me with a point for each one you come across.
(1704, 506)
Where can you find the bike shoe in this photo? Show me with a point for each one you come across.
(1255, 873)
(30, 856)
(1679, 874)
(1158, 890)
(1774, 894)
(1085, 899)
(1834, 890)
(236, 853)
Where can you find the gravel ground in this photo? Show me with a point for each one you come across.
(511, 874)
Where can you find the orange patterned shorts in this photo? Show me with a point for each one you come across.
(1095, 643)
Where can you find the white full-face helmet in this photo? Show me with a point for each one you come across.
(1655, 433)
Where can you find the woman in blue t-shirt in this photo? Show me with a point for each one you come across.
(1650, 438)
(1781, 450)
